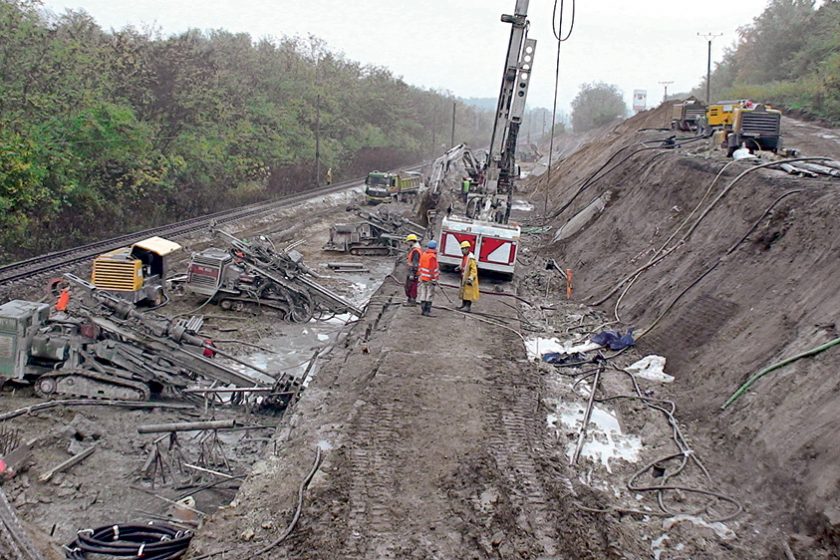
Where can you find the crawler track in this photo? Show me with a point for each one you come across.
(55, 261)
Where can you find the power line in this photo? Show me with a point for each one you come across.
(557, 29)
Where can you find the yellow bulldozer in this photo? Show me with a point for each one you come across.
(136, 273)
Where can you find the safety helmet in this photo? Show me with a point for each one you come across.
(465, 245)
(432, 244)
(411, 237)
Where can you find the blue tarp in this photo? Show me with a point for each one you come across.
(614, 340)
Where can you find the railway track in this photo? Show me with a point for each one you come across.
(58, 260)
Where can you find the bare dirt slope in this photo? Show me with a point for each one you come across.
(434, 447)
(774, 295)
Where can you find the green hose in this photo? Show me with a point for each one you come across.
(743, 388)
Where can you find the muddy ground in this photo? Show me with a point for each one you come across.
(444, 437)
(754, 283)
(113, 485)
(449, 437)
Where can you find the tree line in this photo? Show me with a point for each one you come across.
(788, 56)
(104, 132)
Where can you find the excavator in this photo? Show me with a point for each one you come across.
(494, 241)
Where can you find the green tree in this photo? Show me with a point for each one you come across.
(595, 105)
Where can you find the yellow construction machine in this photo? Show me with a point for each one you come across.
(744, 123)
(136, 273)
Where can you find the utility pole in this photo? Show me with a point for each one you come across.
(318, 141)
(452, 141)
(709, 37)
(665, 95)
(434, 131)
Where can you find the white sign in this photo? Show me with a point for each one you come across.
(639, 100)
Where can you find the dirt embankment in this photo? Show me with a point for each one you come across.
(772, 295)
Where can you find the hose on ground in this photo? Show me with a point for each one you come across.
(749, 383)
(292, 524)
(153, 541)
(291, 527)
(685, 237)
(709, 270)
(592, 178)
(488, 321)
(658, 254)
(685, 455)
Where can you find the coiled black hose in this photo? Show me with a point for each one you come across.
(153, 541)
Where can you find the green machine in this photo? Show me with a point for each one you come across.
(22, 347)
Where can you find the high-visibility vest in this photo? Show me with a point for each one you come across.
(63, 301)
(429, 270)
(414, 256)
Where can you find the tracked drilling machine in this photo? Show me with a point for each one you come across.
(257, 274)
(486, 228)
(104, 348)
(378, 234)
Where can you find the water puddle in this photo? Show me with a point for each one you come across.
(293, 345)
(721, 530)
(605, 440)
(538, 346)
(522, 206)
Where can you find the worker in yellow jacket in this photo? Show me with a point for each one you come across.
(469, 277)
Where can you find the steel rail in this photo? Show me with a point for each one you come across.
(54, 261)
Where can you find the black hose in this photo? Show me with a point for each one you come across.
(154, 541)
(592, 178)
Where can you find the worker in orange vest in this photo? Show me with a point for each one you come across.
(63, 300)
(429, 273)
(413, 258)
(469, 277)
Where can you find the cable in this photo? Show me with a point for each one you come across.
(592, 179)
(557, 30)
(296, 517)
(557, 27)
(685, 453)
(291, 527)
(715, 265)
(743, 388)
(488, 321)
(154, 541)
(702, 216)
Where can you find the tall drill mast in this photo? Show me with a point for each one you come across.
(495, 203)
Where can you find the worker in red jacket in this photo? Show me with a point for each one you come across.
(428, 274)
(413, 261)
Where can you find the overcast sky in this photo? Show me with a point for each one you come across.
(459, 45)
